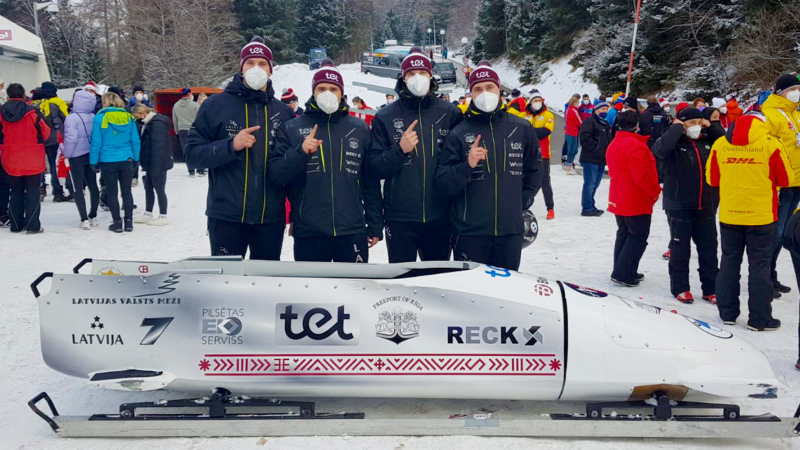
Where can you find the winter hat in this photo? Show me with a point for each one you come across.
(138, 89)
(49, 86)
(601, 104)
(689, 113)
(288, 96)
(186, 92)
(619, 101)
(717, 102)
(90, 86)
(515, 93)
(786, 81)
(681, 106)
(536, 95)
(327, 73)
(256, 48)
(632, 102)
(117, 90)
(416, 60)
(708, 111)
(484, 72)
(663, 102)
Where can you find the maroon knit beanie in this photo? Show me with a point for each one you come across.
(255, 49)
(416, 60)
(328, 73)
(484, 72)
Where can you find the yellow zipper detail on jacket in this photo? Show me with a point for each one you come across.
(266, 151)
(246, 160)
(333, 201)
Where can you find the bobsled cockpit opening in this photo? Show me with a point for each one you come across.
(353, 271)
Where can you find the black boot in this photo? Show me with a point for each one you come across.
(116, 226)
(128, 224)
(781, 288)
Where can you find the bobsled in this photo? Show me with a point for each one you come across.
(456, 330)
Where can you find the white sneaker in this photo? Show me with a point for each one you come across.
(85, 225)
(160, 222)
(93, 222)
(135, 182)
(143, 218)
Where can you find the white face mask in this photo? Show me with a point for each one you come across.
(694, 132)
(256, 78)
(793, 96)
(536, 106)
(723, 110)
(586, 102)
(389, 101)
(327, 102)
(666, 109)
(419, 85)
(487, 102)
(139, 97)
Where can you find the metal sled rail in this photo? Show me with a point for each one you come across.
(307, 422)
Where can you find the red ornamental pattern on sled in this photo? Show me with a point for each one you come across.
(379, 364)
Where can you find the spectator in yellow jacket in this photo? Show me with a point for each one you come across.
(783, 120)
(748, 165)
(55, 111)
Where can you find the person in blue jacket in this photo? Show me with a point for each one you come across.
(115, 148)
(232, 136)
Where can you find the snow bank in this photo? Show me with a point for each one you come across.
(298, 77)
(557, 84)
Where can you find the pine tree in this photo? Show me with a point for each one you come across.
(322, 24)
(275, 21)
(490, 29)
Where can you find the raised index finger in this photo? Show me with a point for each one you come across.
(252, 129)
(477, 141)
(412, 126)
(313, 132)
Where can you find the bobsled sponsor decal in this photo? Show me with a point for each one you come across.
(144, 269)
(157, 327)
(222, 326)
(110, 271)
(634, 304)
(97, 335)
(543, 290)
(587, 291)
(316, 324)
(710, 329)
(154, 298)
(497, 272)
(397, 319)
(378, 364)
(494, 335)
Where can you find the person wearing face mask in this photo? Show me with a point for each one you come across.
(406, 140)
(233, 135)
(721, 116)
(653, 121)
(586, 107)
(360, 104)
(783, 120)
(290, 99)
(490, 167)
(543, 123)
(389, 101)
(667, 108)
(714, 117)
(690, 203)
(595, 135)
(747, 215)
(322, 157)
(699, 103)
(138, 98)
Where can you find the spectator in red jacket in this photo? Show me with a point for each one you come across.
(586, 107)
(359, 103)
(23, 132)
(634, 190)
(574, 121)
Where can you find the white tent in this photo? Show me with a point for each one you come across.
(21, 56)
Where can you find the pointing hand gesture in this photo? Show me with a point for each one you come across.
(476, 153)
(310, 144)
(245, 139)
(409, 140)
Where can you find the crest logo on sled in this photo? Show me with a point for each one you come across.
(543, 290)
(587, 291)
(113, 271)
(316, 324)
(397, 322)
(710, 329)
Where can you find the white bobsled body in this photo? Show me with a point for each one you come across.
(423, 330)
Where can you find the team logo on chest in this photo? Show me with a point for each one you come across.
(398, 124)
(469, 138)
(516, 146)
(353, 143)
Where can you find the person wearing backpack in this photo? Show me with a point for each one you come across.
(55, 111)
(77, 142)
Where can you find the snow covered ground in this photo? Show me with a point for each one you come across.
(570, 248)
(558, 82)
(298, 77)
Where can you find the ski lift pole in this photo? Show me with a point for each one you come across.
(633, 47)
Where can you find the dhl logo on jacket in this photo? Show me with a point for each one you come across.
(748, 165)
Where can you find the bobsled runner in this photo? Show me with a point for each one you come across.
(232, 330)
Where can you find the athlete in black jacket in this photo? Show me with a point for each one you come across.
(322, 156)
(406, 138)
(491, 166)
(232, 136)
(690, 203)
